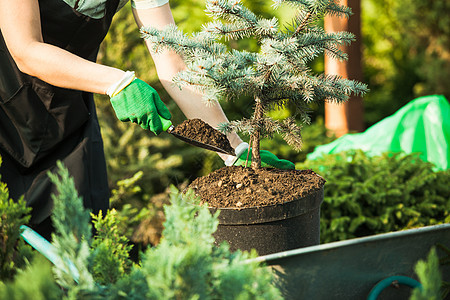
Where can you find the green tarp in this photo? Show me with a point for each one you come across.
(422, 126)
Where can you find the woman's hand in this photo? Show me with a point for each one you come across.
(140, 103)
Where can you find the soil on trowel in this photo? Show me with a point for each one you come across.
(196, 129)
(240, 187)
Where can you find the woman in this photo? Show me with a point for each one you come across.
(48, 73)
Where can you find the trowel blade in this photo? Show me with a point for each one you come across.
(197, 143)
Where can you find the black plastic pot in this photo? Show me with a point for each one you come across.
(271, 229)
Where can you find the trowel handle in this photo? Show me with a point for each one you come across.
(165, 123)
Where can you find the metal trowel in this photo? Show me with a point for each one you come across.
(169, 128)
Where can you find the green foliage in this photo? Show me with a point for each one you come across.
(444, 261)
(368, 195)
(126, 186)
(189, 15)
(72, 235)
(34, 282)
(110, 257)
(127, 198)
(406, 52)
(184, 273)
(429, 277)
(185, 265)
(313, 135)
(13, 252)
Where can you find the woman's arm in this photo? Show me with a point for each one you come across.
(21, 28)
(168, 63)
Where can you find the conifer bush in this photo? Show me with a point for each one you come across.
(368, 195)
(13, 252)
(35, 281)
(430, 278)
(185, 265)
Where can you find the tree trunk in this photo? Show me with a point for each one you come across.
(256, 136)
(349, 116)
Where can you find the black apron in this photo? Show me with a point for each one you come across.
(41, 124)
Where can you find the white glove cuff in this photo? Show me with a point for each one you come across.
(114, 89)
(238, 151)
(144, 4)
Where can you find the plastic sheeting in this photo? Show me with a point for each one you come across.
(422, 126)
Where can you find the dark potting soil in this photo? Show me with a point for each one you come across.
(240, 187)
(196, 129)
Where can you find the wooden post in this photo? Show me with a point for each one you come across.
(255, 137)
(349, 116)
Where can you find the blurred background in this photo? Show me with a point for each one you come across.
(404, 49)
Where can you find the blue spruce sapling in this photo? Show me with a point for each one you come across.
(275, 76)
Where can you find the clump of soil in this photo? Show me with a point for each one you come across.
(202, 132)
(240, 187)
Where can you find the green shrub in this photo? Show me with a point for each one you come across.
(185, 265)
(13, 252)
(33, 282)
(110, 257)
(430, 277)
(368, 195)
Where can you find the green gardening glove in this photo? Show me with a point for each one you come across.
(139, 103)
(268, 159)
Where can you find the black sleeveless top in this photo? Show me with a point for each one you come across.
(41, 124)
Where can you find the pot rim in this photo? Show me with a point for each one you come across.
(270, 213)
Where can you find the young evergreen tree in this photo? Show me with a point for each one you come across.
(276, 76)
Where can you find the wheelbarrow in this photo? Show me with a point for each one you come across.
(375, 267)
